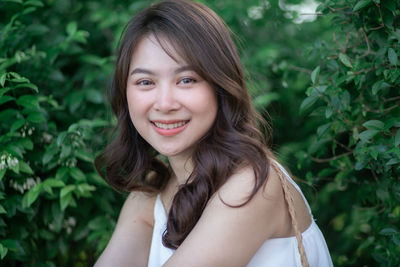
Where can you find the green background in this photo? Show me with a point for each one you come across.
(330, 86)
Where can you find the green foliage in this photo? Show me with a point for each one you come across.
(355, 151)
(51, 198)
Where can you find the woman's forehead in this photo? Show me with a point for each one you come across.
(160, 44)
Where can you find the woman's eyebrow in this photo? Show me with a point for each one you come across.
(184, 68)
(146, 71)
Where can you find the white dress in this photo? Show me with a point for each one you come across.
(274, 252)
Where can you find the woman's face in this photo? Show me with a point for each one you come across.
(170, 105)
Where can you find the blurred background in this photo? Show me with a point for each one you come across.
(324, 73)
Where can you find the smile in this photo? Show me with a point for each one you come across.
(169, 128)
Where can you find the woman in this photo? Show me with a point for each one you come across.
(222, 199)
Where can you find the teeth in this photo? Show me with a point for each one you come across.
(170, 125)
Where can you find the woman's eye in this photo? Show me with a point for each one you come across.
(187, 81)
(144, 82)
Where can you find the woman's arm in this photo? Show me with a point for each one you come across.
(226, 236)
(130, 242)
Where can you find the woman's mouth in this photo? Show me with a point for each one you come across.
(169, 128)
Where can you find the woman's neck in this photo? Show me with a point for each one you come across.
(182, 168)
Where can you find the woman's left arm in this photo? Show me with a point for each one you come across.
(226, 236)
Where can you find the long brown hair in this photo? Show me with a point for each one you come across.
(129, 163)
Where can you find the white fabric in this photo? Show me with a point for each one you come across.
(274, 252)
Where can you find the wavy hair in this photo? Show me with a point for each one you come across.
(201, 39)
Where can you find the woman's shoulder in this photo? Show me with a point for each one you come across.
(139, 206)
(241, 183)
(269, 201)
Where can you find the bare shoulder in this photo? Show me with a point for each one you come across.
(132, 233)
(269, 201)
(138, 205)
(241, 184)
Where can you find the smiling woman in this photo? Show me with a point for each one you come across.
(170, 105)
(222, 199)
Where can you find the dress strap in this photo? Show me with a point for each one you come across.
(290, 179)
(289, 200)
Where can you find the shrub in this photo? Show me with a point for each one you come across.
(355, 152)
(54, 207)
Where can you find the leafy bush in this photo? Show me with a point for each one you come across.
(355, 151)
(54, 207)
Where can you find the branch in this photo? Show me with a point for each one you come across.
(391, 99)
(369, 51)
(330, 159)
(342, 145)
(363, 70)
(382, 22)
(293, 67)
(372, 170)
(386, 110)
(334, 10)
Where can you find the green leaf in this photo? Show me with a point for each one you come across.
(361, 4)
(67, 190)
(2, 173)
(61, 137)
(5, 99)
(66, 197)
(77, 174)
(98, 223)
(308, 102)
(315, 75)
(3, 251)
(397, 139)
(393, 59)
(25, 143)
(54, 182)
(71, 28)
(367, 135)
(31, 196)
(379, 85)
(34, 3)
(49, 154)
(24, 167)
(374, 124)
(94, 96)
(28, 101)
(35, 117)
(29, 10)
(28, 85)
(65, 151)
(3, 79)
(14, 1)
(15, 168)
(62, 173)
(328, 112)
(323, 128)
(17, 124)
(83, 155)
(15, 149)
(2, 210)
(392, 161)
(11, 244)
(82, 188)
(262, 101)
(8, 114)
(388, 231)
(345, 60)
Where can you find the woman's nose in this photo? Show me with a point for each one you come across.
(166, 100)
